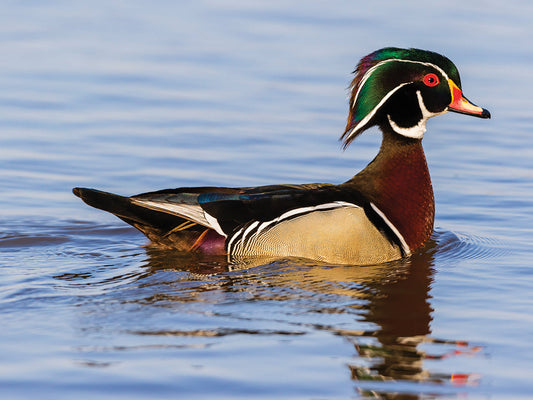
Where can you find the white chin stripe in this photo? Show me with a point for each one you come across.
(417, 131)
(414, 132)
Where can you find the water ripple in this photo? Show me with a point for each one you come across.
(456, 245)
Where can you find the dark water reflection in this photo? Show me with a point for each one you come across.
(392, 299)
(143, 304)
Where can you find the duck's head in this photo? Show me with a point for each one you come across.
(401, 89)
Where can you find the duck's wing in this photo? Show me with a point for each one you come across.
(226, 209)
(234, 214)
(218, 208)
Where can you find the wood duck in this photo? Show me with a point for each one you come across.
(383, 213)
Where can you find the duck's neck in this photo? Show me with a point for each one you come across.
(397, 181)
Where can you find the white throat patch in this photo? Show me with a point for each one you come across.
(417, 131)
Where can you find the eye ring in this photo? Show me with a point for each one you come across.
(431, 79)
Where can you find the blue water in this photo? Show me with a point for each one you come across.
(135, 96)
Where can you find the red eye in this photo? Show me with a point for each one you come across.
(431, 80)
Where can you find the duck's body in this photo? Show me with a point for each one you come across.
(383, 213)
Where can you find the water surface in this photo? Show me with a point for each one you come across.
(131, 97)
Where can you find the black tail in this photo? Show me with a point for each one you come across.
(154, 224)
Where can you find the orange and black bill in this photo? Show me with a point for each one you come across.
(461, 104)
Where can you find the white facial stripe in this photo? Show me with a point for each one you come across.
(425, 112)
(420, 129)
(417, 131)
(371, 71)
(369, 116)
(405, 247)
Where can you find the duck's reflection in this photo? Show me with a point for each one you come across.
(402, 313)
(393, 298)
